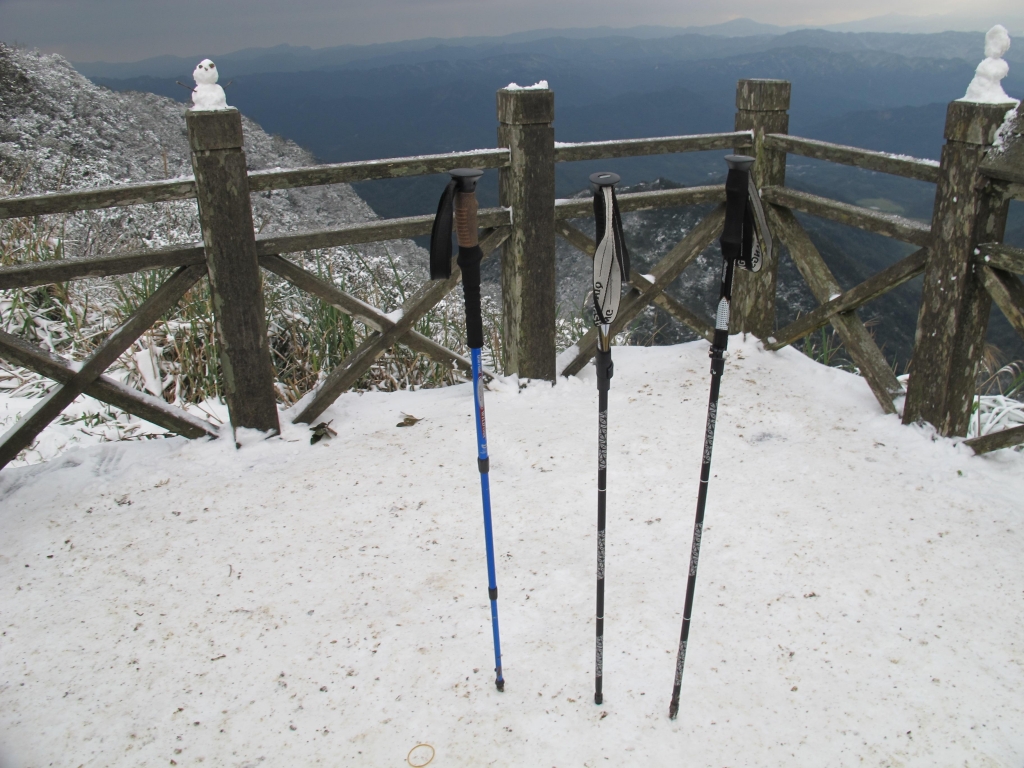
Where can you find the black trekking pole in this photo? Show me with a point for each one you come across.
(744, 234)
(459, 198)
(611, 268)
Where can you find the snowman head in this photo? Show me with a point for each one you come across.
(205, 73)
(997, 42)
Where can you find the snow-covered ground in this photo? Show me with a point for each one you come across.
(859, 600)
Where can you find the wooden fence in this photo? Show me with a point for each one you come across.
(960, 253)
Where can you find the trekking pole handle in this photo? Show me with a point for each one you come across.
(736, 185)
(466, 206)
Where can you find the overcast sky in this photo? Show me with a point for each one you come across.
(128, 30)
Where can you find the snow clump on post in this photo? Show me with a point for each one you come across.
(986, 87)
(207, 94)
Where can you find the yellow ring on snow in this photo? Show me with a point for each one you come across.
(408, 758)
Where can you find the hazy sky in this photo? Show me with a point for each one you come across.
(128, 30)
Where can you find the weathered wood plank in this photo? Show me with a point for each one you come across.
(101, 197)
(259, 181)
(897, 227)
(952, 320)
(527, 187)
(236, 287)
(583, 208)
(1007, 292)
(1005, 162)
(21, 435)
(1001, 256)
(667, 270)
(883, 162)
(762, 108)
(152, 409)
(63, 270)
(370, 232)
(1007, 438)
(355, 365)
(43, 273)
(861, 347)
(664, 145)
(679, 311)
(368, 170)
(360, 310)
(875, 286)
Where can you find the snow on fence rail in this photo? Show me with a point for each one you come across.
(965, 266)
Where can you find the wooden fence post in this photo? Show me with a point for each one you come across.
(527, 186)
(222, 190)
(761, 107)
(953, 318)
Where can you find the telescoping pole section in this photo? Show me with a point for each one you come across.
(743, 236)
(461, 195)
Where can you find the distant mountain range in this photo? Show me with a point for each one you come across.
(716, 41)
(882, 91)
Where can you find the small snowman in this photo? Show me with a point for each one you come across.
(207, 94)
(986, 86)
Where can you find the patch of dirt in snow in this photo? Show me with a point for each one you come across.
(858, 599)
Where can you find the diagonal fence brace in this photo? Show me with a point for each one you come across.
(106, 390)
(862, 348)
(62, 395)
(1007, 291)
(366, 314)
(875, 286)
(356, 364)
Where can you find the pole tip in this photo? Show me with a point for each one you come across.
(598, 698)
(673, 710)
(500, 684)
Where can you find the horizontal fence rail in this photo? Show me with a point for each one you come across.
(897, 227)
(371, 170)
(370, 232)
(100, 197)
(582, 208)
(184, 188)
(996, 168)
(665, 145)
(883, 162)
(61, 270)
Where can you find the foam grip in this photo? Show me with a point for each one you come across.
(735, 211)
(465, 219)
(469, 263)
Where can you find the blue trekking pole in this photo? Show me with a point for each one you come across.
(745, 242)
(611, 268)
(459, 198)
